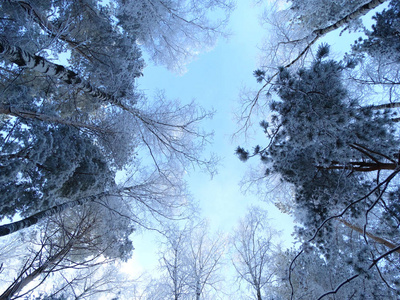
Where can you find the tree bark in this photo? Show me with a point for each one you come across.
(7, 229)
(370, 235)
(386, 106)
(362, 166)
(259, 294)
(361, 11)
(37, 63)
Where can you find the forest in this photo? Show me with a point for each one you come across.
(89, 160)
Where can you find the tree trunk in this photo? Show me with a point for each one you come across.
(259, 294)
(362, 166)
(361, 11)
(37, 63)
(370, 235)
(7, 229)
(386, 106)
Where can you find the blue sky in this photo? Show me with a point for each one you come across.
(215, 80)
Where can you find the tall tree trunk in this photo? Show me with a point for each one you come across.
(361, 11)
(370, 235)
(362, 166)
(37, 63)
(7, 229)
(385, 106)
(259, 294)
(198, 289)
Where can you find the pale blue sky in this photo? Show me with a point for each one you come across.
(214, 80)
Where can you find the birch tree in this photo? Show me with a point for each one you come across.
(72, 240)
(92, 96)
(254, 253)
(191, 260)
(205, 260)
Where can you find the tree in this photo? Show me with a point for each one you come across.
(91, 98)
(342, 160)
(383, 39)
(37, 170)
(190, 262)
(173, 32)
(205, 260)
(313, 276)
(72, 240)
(174, 261)
(322, 129)
(378, 55)
(254, 251)
(293, 30)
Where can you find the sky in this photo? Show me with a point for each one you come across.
(214, 80)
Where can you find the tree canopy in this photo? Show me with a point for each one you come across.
(88, 160)
(332, 136)
(72, 118)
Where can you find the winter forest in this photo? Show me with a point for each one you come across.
(89, 160)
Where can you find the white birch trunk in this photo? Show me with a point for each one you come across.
(361, 11)
(37, 63)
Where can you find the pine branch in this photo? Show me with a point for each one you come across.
(314, 37)
(385, 106)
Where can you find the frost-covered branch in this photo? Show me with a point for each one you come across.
(15, 111)
(375, 261)
(298, 44)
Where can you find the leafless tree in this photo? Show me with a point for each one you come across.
(253, 251)
(70, 243)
